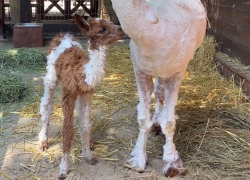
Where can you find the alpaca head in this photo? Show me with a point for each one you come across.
(99, 32)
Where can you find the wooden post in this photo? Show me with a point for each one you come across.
(40, 10)
(94, 8)
(25, 11)
(100, 9)
(1, 19)
(67, 9)
(14, 11)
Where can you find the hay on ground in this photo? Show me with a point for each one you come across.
(212, 132)
(12, 87)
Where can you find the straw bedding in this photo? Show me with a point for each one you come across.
(212, 133)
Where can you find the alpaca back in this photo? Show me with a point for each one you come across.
(67, 58)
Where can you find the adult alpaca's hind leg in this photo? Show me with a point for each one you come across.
(46, 106)
(167, 118)
(138, 155)
(159, 99)
(83, 108)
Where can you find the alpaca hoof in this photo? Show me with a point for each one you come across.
(92, 161)
(136, 164)
(43, 145)
(156, 129)
(62, 176)
(175, 168)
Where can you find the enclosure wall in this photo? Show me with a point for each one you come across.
(230, 24)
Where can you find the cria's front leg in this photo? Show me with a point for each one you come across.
(138, 155)
(83, 109)
(46, 107)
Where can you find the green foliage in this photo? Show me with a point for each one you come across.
(12, 61)
(12, 87)
(32, 58)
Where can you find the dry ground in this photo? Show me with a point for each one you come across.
(205, 117)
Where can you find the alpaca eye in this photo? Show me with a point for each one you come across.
(102, 31)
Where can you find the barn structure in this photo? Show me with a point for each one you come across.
(229, 20)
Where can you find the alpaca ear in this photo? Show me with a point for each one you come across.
(82, 24)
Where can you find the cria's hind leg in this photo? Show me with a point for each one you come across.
(68, 106)
(46, 106)
(138, 155)
(84, 104)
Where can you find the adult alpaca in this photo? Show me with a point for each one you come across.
(79, 75)
(164, 37)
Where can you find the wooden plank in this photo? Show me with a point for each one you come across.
(2, 19)
(237, 4)
(232, 48)
(52, 18)
(229, 15)
(237, 34)
(228, 69)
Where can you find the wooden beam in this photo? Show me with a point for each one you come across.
(1, 18)
(75, 8)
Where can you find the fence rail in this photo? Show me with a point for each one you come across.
(57, 11)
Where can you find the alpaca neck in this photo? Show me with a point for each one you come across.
(95, 68)
(130, 14)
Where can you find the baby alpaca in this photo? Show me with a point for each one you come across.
(79, 74)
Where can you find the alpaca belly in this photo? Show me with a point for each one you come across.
(160, 66)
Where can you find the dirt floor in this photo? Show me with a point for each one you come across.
(19, 150)
(114, 133)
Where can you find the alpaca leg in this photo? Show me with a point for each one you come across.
(68, 106)
(46, 107)
(159, 98)
(83, 109)
(144, 88)
(173, 164)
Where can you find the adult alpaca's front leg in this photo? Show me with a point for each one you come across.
(84, 104)
(173, 164)
(144, 88)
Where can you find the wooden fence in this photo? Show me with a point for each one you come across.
(230, 24)
(56, 15)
